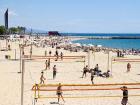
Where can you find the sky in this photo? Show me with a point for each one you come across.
(78, 16)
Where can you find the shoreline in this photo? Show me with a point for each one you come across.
(78, 38)
(106, 37)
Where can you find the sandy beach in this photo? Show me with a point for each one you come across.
(69, 72)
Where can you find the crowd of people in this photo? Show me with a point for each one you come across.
(94, 72)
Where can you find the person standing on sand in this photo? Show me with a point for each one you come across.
(42, 78)
(92, 76)
(30, 53)
(128, 67)
(61, 55)
(59, 92)
(49, 63)
(125, 95)
(45, 53)
(46, 63)
(97, 71)
(50, 53)
(85, 70)
(23, 53)
(54, 71)
(9, 47)
(57, 55)
(97, 67)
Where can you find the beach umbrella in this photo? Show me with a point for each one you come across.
(84, 45)
(77, 44)
(99, 45)
(90, 45)
(70, 43)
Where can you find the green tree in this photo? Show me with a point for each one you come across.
(13, 30)
(2, 30)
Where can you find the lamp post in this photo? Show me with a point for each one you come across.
(22, 81)
(108, 61)
(15, 54)
(89, 58)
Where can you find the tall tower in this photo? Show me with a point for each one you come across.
(6, 19)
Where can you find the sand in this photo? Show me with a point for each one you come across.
(69, 72)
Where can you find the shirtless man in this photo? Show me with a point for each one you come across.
(59, 92)
(125, 95)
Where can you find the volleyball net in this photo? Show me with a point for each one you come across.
(56, 58)
(85, 90)
(123, 60)
(126, 59)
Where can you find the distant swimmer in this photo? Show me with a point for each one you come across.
(42, 78)
(125, 95)
(59, 92)
(128, 67)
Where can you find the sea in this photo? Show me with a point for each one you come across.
(125, 43)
